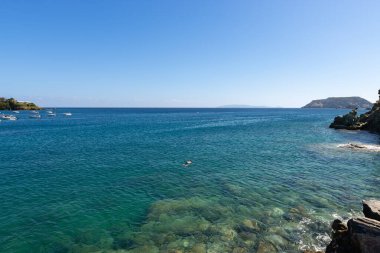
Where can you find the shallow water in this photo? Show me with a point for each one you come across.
(107, 180)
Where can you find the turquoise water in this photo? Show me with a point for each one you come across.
(112, 180)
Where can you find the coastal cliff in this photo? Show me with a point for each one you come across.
(368, 121)
(340, 102)
(13, 104)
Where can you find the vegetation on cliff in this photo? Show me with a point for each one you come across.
(368, 121)
(13, 104)
(340, 102)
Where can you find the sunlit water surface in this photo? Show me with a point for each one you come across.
(112, 180)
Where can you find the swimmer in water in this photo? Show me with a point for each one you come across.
(187, 163)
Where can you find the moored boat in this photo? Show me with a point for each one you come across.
(35, 116)
(50, 113)
(8, 117)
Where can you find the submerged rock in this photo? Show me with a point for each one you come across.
(239, 250)
(248, 226)
(234, 189)
(83, 248)
(212, 225)
(218, 247)
(360, 147)
(145, 249)
(277, 240)
(198, 248)
(296, 214)
(246, 239)
(280, 230)
(184, 225)
(265, 247)
(227, 234)
(277, 212)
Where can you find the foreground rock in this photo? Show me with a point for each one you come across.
(368, 121)
(361, 235)
(371, 209)
(365, 235)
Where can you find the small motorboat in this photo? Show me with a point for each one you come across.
(8, 117)
(35, 116)
(187, 163)
(16, 112)
(50, 113)
(67, 113)
(35, 112)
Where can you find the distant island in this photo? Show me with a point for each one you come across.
(340, 102)
(13, 104)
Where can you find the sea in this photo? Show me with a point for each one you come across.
(116, 180)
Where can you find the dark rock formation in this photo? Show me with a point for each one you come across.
(368, 121)
(371, 119)
(371, 209)
(338, 225)
(361, 235)
(364, 235)
(349, 121)
(340, 102)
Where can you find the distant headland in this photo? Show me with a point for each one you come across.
(340, 102)
(13, 104)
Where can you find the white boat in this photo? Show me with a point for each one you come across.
(35, 112)
(35, 116)
(67, 113)
(16, 112)
(50, 112)
(8, 117)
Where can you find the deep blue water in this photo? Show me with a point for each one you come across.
(112, 180)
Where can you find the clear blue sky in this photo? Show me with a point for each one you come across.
(188, 53)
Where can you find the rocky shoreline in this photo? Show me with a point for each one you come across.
(360, 235)
(368, 121)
